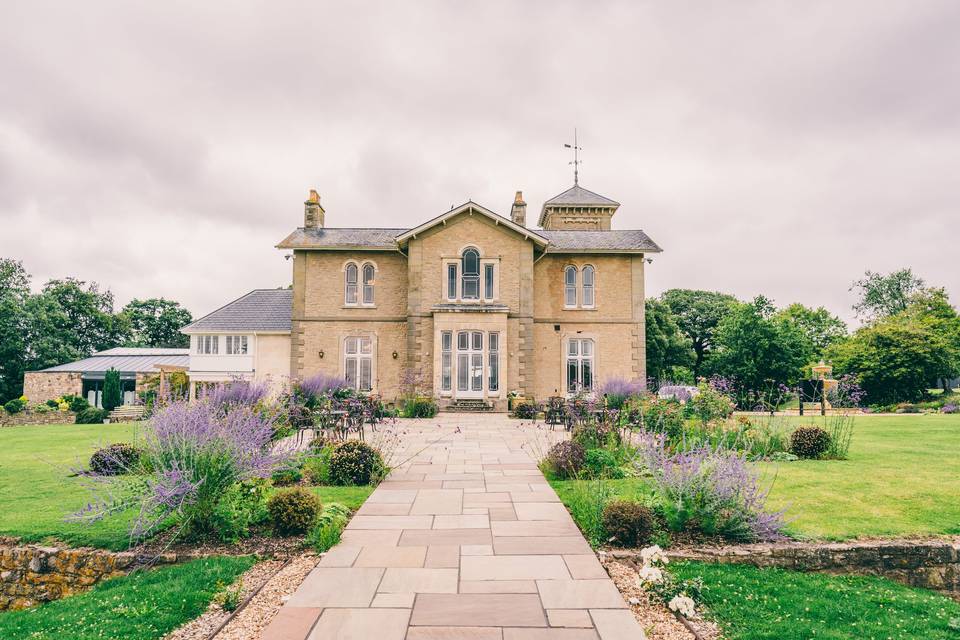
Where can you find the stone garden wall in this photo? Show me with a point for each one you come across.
(930, 564)
(32, 417)
(40, 386)
(33, 574)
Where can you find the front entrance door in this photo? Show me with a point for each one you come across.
(469, 364)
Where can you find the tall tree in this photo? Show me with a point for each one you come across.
(758, 351)
(698, 313)
(820, 327)
(156, 322)
(70, 319)
(881, 295)
(932, 308)
(14, 292)
(667, 347)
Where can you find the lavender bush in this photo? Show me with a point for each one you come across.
(616, 391)
(194, 453)
(949, 408)
(714, 490)
(320, 385)
(237, 392)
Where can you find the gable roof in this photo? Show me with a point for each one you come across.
(475, 208)
(125, 360)
(613, 241)
(261, 310)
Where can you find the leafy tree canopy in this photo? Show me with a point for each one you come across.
(819, 326)
(156, 322)
(885, 295)
(697, 314)
(667, 347)
(14, 291)
(758, 351)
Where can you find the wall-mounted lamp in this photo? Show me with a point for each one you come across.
(395, 355)
(320, 353)
(649, 260)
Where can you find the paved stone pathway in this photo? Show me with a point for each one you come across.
(465, 540)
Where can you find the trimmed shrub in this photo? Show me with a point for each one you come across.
(15, 406)
(286, 477)
(355, 463)
(116, 459)
(526, 411)
(77, 403)
(566, 458)
(92, 416)
(628, 523)
(112, 395)
(809, 442)
(293, 510)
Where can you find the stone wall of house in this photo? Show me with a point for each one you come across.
(34, 574)
(40, 386)
(930, 564)
(32, 417)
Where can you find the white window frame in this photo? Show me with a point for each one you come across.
(446, 361)
(351, 289)
(355, 353)
(453, 268)
(575, 353)
(208, 345)
(367, 284)
(472, 278)
(493, 362)
(237, 345)
(569, 287)
(588, 302)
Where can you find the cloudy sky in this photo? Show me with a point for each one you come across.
(164, 148)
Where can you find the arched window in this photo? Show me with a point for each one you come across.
(470, 274)
(587, 279)
(350, 284)
(368, 272)
(570, 286)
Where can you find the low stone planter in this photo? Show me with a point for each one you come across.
(930, 564)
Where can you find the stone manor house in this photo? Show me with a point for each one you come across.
(472, 304)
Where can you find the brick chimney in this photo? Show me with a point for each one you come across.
(312, 211)
(518, 212)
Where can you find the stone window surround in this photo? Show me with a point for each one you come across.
(374, 356)
(578, 286)
(486, 328)
(565, 338)
(445, 261)
(360, 265)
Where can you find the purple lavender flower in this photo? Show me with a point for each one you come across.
(237, 392)
(319, 385)
(616, 391)
(949, 408)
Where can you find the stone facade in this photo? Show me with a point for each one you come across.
(414, 313)
(40, 386)
(929, 564)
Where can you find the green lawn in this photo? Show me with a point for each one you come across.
(902, 478)
(37, 490)
(144, 605)
(774, 604)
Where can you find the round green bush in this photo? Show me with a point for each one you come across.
(628, 523)
(526, 411)
(116, 459)
(15, 406)
(293, 511)
(809, 442)
(354, 463)
(566, 458)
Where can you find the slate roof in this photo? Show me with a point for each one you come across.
(259, 310)
(578, 195)
(342, 238)
(618, 240)
(126, 360)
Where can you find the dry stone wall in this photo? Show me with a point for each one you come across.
(930, 564)
(34, 574)
(32, 417)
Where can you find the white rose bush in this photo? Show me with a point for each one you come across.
(680, 596)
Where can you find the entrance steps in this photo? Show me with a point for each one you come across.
(467, 406)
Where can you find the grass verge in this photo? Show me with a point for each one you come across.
(145, 605)
(774, 604)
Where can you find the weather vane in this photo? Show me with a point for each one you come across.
(576, 158)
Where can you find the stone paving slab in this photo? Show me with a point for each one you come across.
(465, 540)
